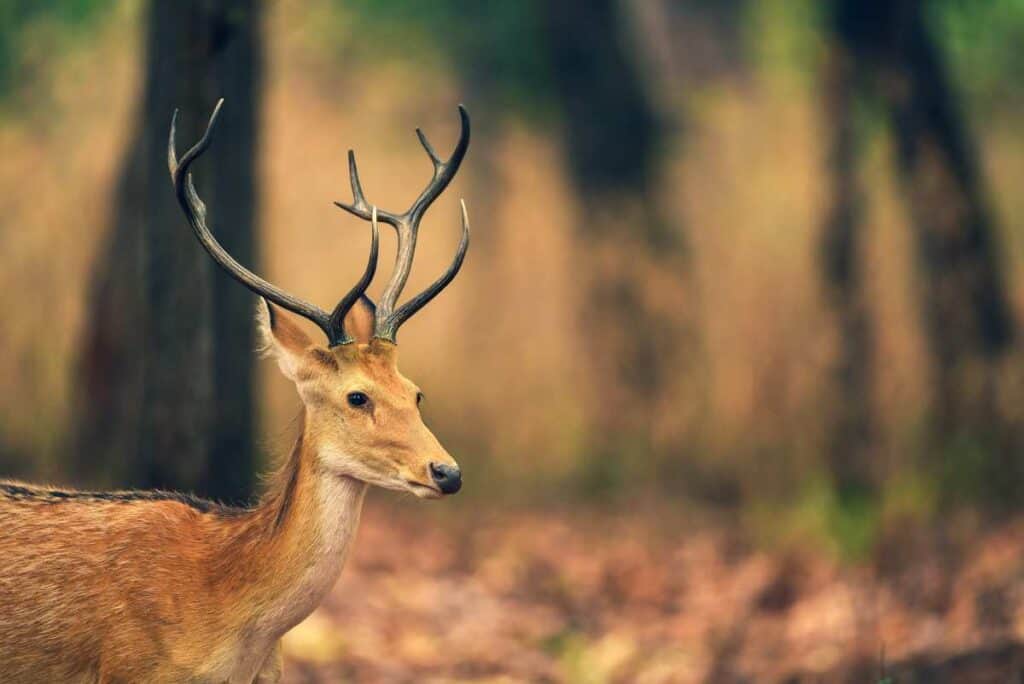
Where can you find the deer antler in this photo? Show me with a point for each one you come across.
(332, 324)
(388, 318)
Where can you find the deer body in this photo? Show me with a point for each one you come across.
(162, 590)
(158, 587)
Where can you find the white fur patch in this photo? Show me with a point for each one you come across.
(268, 346)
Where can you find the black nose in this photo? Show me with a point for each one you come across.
(447, 477)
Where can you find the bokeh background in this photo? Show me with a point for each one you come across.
(733, 369)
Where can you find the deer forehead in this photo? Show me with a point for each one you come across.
(373, 366)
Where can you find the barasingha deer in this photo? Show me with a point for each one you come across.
(160, 587)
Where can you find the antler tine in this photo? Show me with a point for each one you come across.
(359, 289)
(407, 225)
(195, 211)
(404, 312)
(429, 148)
(358, 198)
(444, 172)
(360, 207)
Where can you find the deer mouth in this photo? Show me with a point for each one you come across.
(423, 491)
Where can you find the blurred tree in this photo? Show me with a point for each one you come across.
(688, 44)
(611, 128)
(965, 305)
(165, 378)
(966, 314)
(613, 141)
(852, 434)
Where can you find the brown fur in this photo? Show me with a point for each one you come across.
(160, 587)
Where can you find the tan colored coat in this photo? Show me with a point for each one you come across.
(153, 587)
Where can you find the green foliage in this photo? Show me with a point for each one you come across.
(853, 518)
(497, 48)
(20, 46)
(846, 521)
(785, 38)
(983, 42)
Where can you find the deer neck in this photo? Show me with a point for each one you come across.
(289, 551)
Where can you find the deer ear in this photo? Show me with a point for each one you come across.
(359, 320)
(282, 338)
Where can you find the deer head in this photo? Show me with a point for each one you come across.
(361, 412)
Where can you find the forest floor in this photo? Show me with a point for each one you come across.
(576, 596)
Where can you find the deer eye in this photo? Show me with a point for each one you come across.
(419, 398)
(357, 399)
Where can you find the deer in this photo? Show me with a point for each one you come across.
(156, 586)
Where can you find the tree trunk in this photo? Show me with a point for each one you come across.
(967, 319)
(851, 438)
(613, 138)
(965, 306)
(165, 392)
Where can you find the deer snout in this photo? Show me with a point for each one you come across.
(447, 478)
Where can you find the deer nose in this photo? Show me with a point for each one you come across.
(447, 477)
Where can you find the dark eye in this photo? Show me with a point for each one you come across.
(419, 398)
(357, 399)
